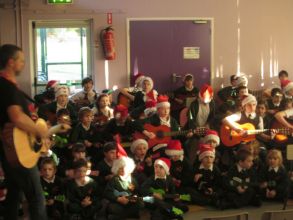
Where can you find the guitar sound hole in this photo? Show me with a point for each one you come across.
(160, 134)
(37, 146)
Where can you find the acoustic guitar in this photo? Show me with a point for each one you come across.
(23, 149)
(230, 137)
(282, 132)
(163, 134)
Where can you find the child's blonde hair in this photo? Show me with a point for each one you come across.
(275, 153)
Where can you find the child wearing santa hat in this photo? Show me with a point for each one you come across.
(121, 124)
(247, 115)
(130, 91)
(141, 97)
(121, 191)
(48, 95)
(180, 167)
(206, 181)
(142, 159)
(161, 118)
(48, 111)
(287, 87)
(167, 204)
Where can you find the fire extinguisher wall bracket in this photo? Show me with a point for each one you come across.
(107, 39)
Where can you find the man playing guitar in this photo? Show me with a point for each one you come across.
(14, 109)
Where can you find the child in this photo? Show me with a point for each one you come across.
(143, 161)
(140, 98)
(240, 183)
(180, 169)
(102, 112)
(104, 166)
(87, 96)
(122, 190)
(274, 179)
(167, 204)
(161, 118)
(82, 193)
(287, 87)
(206, 182)
(84, 132)
(274, 103)
(53, 188)
(188, 90)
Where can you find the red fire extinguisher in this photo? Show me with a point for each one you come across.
(107, 39)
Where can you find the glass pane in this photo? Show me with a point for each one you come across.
(57, 49)
(64, 73)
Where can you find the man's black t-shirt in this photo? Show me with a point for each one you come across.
(10, 95)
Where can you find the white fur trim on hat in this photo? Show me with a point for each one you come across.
(148, 79)
(211, 137)
(61, 90)
(163, 104)
(139, 79)
(163, 164)
(174, 152)
(126, 162)
(138, 142)
(205, 154)
(241, 80)
(249, 98)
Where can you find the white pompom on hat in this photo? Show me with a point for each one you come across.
(138, 142)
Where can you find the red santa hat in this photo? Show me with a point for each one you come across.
(205, 150)
(120, 111)
(138, 142)
(174, 148)
(137, 78)
(212, 135)
(206, 93)
(286, 85)
(61, 90)
(146, 78)
(125, 162)
(247, 99)
(150, 107)
(165, 163)
(163, 101)
(51, 84)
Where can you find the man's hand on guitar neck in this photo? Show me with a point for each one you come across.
(149, 134)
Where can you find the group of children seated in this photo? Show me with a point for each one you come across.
(91, 173)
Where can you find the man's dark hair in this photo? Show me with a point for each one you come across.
(233, 77)
(7, 52)
(283, 72)
(86, 80)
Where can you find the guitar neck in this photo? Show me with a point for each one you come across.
(258, 131)
(285, 131)
(198, 131)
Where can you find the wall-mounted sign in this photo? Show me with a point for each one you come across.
(191, 52)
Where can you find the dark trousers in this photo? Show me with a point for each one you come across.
(119, 211)
(21, 180)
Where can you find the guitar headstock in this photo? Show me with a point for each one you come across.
(200, 131)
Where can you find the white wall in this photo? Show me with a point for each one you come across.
(266, 29)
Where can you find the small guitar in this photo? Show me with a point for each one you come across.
(134, 198)
(230, 138)
(23, 149)
(182, 197)
(163, 133)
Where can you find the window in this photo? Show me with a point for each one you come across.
(62, 51)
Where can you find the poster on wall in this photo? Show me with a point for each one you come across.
(191, 53)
